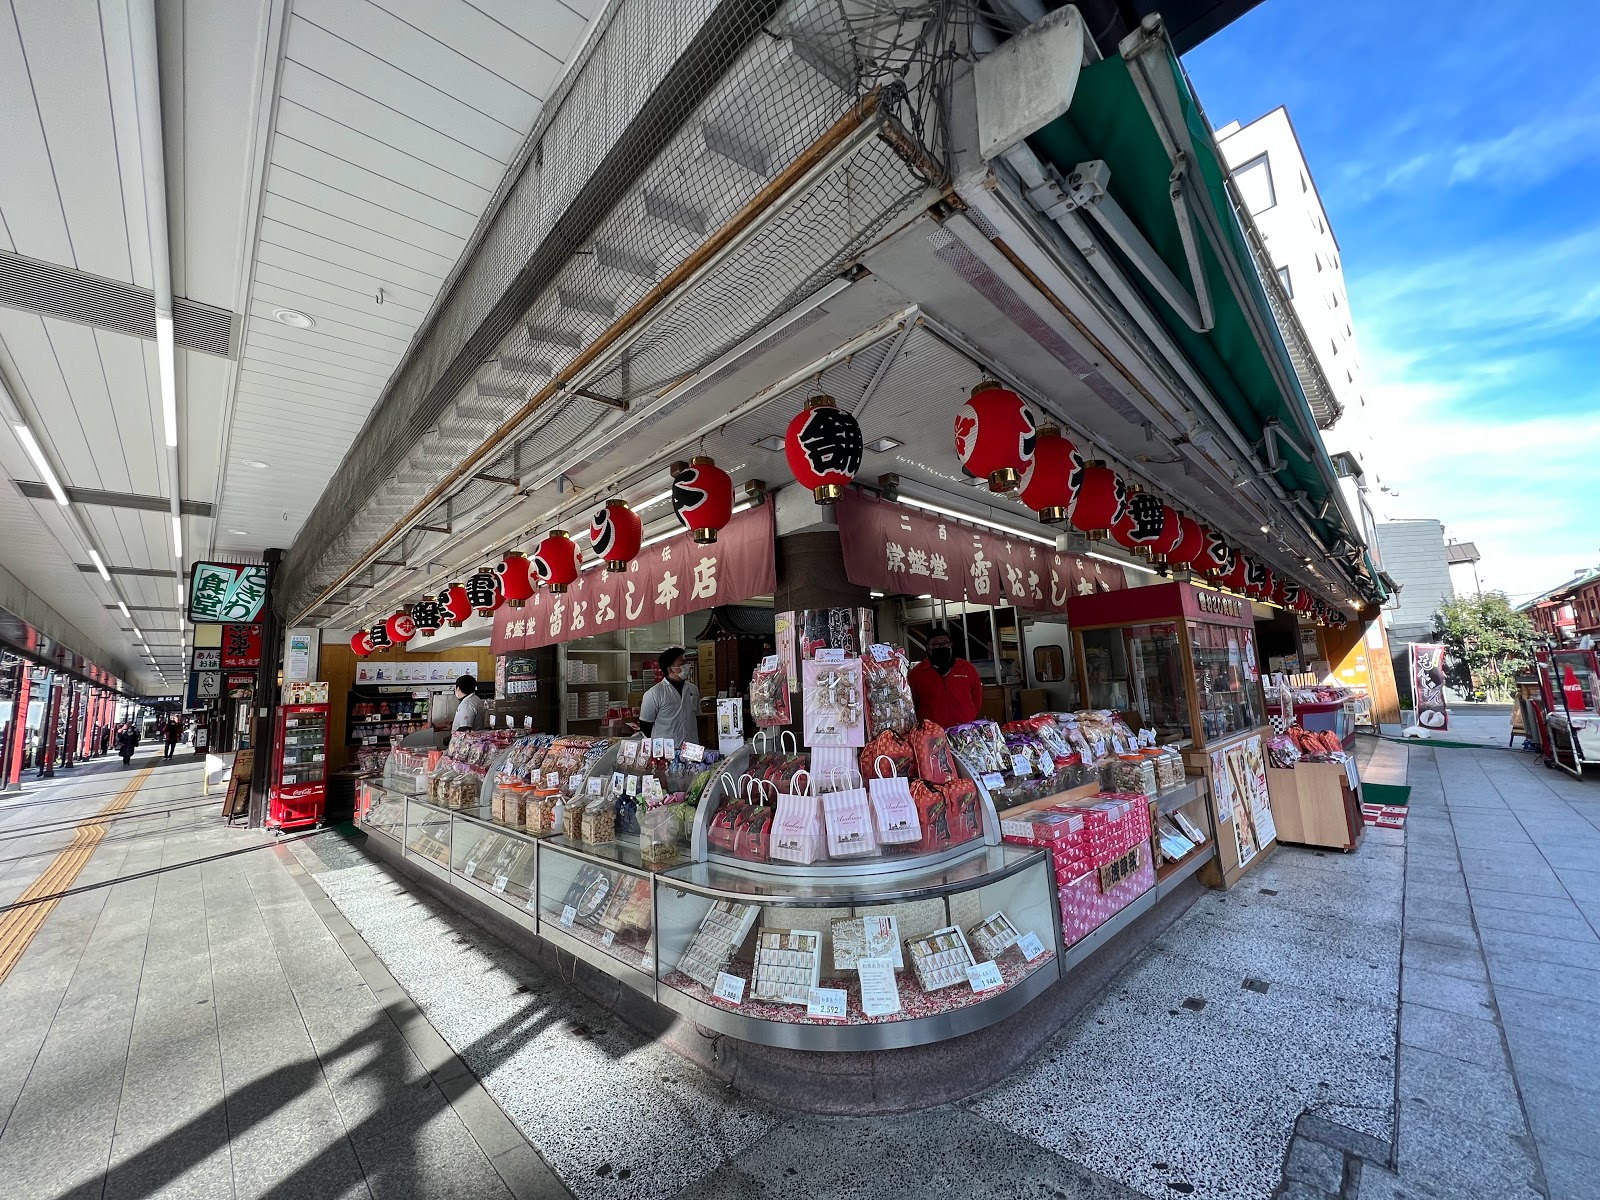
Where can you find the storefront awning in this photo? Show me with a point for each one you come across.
(1135, 114)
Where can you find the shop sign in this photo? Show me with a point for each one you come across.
(670, 579)
(1217, 602)
(893, 548)
(1427, 685)
(208, 685)
(205, 660)
(241, 646)
(220, 592)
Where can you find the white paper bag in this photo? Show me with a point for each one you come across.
(894, 811)
(797, 829)
(847, 813)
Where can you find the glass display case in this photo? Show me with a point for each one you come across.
(596, 902)
(1139, 669)
(1226, 678)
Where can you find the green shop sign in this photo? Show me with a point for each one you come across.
(231, 592)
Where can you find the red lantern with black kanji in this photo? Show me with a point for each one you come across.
(378, 635)
(1191, 542)
(400, 627)
(615, 532)
(702, 496)
(361, 643)
(1163, 548)
(1304, 601)
(823, 448)
(1280, 593)
(1143, 524)
(516, 579)
(1258, 582)
(556, 561)
(457, 606)
(427, 616)
(1102, 501)
(1052, 477)
(995, 436)
(483, 591)
(1216, 558)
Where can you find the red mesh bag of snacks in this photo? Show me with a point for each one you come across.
(888, 745)
(961, 801)
(934, 761)
(932, 812)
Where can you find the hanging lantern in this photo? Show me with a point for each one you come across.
(378, 635)
(457, 605)
(1191, 543)
(1280, 593)
(1102, 501)
(400, 627)
(1292, 595)
(823, 448)
(1258, 583)
(1216, 559)
(1163, 548)
(1052, 477)
(483, 591)
(427, 616)
(556, 561)
(516, 583)
(615, 532)
(995, 435)
(361, 643)
(1143, 524)
(1238, 574)
(702, 496)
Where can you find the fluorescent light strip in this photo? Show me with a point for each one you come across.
(99, 564)
(169, 379)
(652, 502)
(124, 609)
(1132, 566)
(177, 536)
(36, 452)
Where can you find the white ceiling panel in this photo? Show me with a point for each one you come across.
(531, 62)
(375, 361)
(347, 204)
(548, 23)
(290, 243)
(298, 214)
(366, 312)
(30, 208)
(203, 383)
(386, 193)
(347, 284)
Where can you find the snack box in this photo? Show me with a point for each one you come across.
(1047, 827)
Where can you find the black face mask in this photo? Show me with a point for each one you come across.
(942, 658)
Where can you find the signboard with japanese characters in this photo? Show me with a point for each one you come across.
(670, 579)
(893, 548)
(202, 659)
(222, 592)
(241, 646)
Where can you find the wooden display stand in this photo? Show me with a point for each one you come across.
(1314, 805)
(1227, 869)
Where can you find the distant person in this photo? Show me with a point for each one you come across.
(174, 734)
(946, 689)
(127, 740)
(471, 712)
(671, 709)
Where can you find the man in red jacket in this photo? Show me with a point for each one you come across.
(946, 689)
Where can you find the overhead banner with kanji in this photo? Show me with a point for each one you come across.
(221, 592)
(241, 646)
(670, 579)
(894, 548)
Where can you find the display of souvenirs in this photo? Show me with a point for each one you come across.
(1130, 773)
(855, 938)
(587, 894)
(940, 959)
(994, 934)
(769, 693)
(932, 750)
(788, 964)
(832, 704)
(721, 933)
(890, 708)
(839, 629)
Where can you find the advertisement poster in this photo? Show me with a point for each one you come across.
(297, 663)
(205, 660)
(1427, 685)
(783, 630)
(241, 646)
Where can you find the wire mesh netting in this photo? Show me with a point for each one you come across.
(678, 116)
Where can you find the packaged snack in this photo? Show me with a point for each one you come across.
(980, 747)
(932, 816)
(902, 760)
(932, 748)
(961, 807)
(885, 670)
(769, 693)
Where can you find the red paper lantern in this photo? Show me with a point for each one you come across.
(483, 591)
(1171, 537)
(1280, 593)
(516, 582)
(615, 532)
(400, 627)
(1102, 501)
(1191, 542)
(1216, 559)
(556, 561)
(995, 435)
(702, 496)
(1052, 477)
(1258, 581)
(1238, 574)
(457, 605)
(823, 448)
(1143, 524)
(361, 643)
(427, 616)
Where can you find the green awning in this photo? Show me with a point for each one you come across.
(1242, 358)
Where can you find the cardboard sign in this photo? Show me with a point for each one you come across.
(984, 977)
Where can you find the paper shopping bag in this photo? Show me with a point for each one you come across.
(797, 833)
(894, 812)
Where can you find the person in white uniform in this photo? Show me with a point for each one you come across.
(470, 709)
(672, 708)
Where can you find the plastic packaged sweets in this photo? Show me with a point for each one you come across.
(834, 712)
(588, 892)
(890, 708)
(932, 749)
(769, 693)
(875, 936)
(788, 964)
(722, 931)
(994, 934)
(980, 747)
(940, 959)
(599, 824)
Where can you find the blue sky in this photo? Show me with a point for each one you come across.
(1457, 150)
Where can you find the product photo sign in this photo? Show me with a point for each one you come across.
(673, 578)
(894, 548)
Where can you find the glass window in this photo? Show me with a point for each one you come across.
(1049, 664)
(1139, 669)
(1283, 278)
(1227, 679)
(1254, 181)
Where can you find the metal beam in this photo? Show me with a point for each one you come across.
(91, 569)
(189, 508)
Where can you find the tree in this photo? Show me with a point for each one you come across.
(1489, 643)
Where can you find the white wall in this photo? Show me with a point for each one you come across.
(1413, 556)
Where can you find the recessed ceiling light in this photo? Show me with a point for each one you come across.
(884, 444)
(772, 443)
(239, 532)
(260, 466)
(293, 318)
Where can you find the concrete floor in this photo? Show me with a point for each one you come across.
(293, 1021)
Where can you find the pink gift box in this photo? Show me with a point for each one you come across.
(1084, 908)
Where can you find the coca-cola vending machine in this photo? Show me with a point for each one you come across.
(299, 794)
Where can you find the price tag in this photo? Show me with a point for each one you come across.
(729, 988)
(500, 881)
(830, 655)
(881, 651)
(595, 785)
(611, 936)
(994, 780)
(471, 867)
(984, 977)
(1118, 745)
(552, 779)
(828, 1003)
(1030, 945)
(647, 963)
(527, 723)
(1021, 765)
(568, 916)
(693, 753)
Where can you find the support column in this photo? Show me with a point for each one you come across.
(264, 711)
(810, 562)
(70, 739)
(11, 768)
(49, 720)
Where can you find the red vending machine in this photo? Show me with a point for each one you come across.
(299, 774)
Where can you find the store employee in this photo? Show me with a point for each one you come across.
(946, 689)
(671, 709)
(469, 705)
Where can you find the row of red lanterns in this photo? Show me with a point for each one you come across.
(997, 440)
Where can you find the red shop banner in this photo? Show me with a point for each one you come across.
(894, 548)
(241, 646)
(670, 579)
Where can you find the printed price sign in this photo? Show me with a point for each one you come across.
(828, 1003)
(594, 786)
(611, 936)
(568, 916)
(1030, 945)
(692, 753)
(500, 881)
(729, 988)
(984, 976)
(994, 780)
(1021, 765)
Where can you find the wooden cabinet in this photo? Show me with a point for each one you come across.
(1314, 805)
